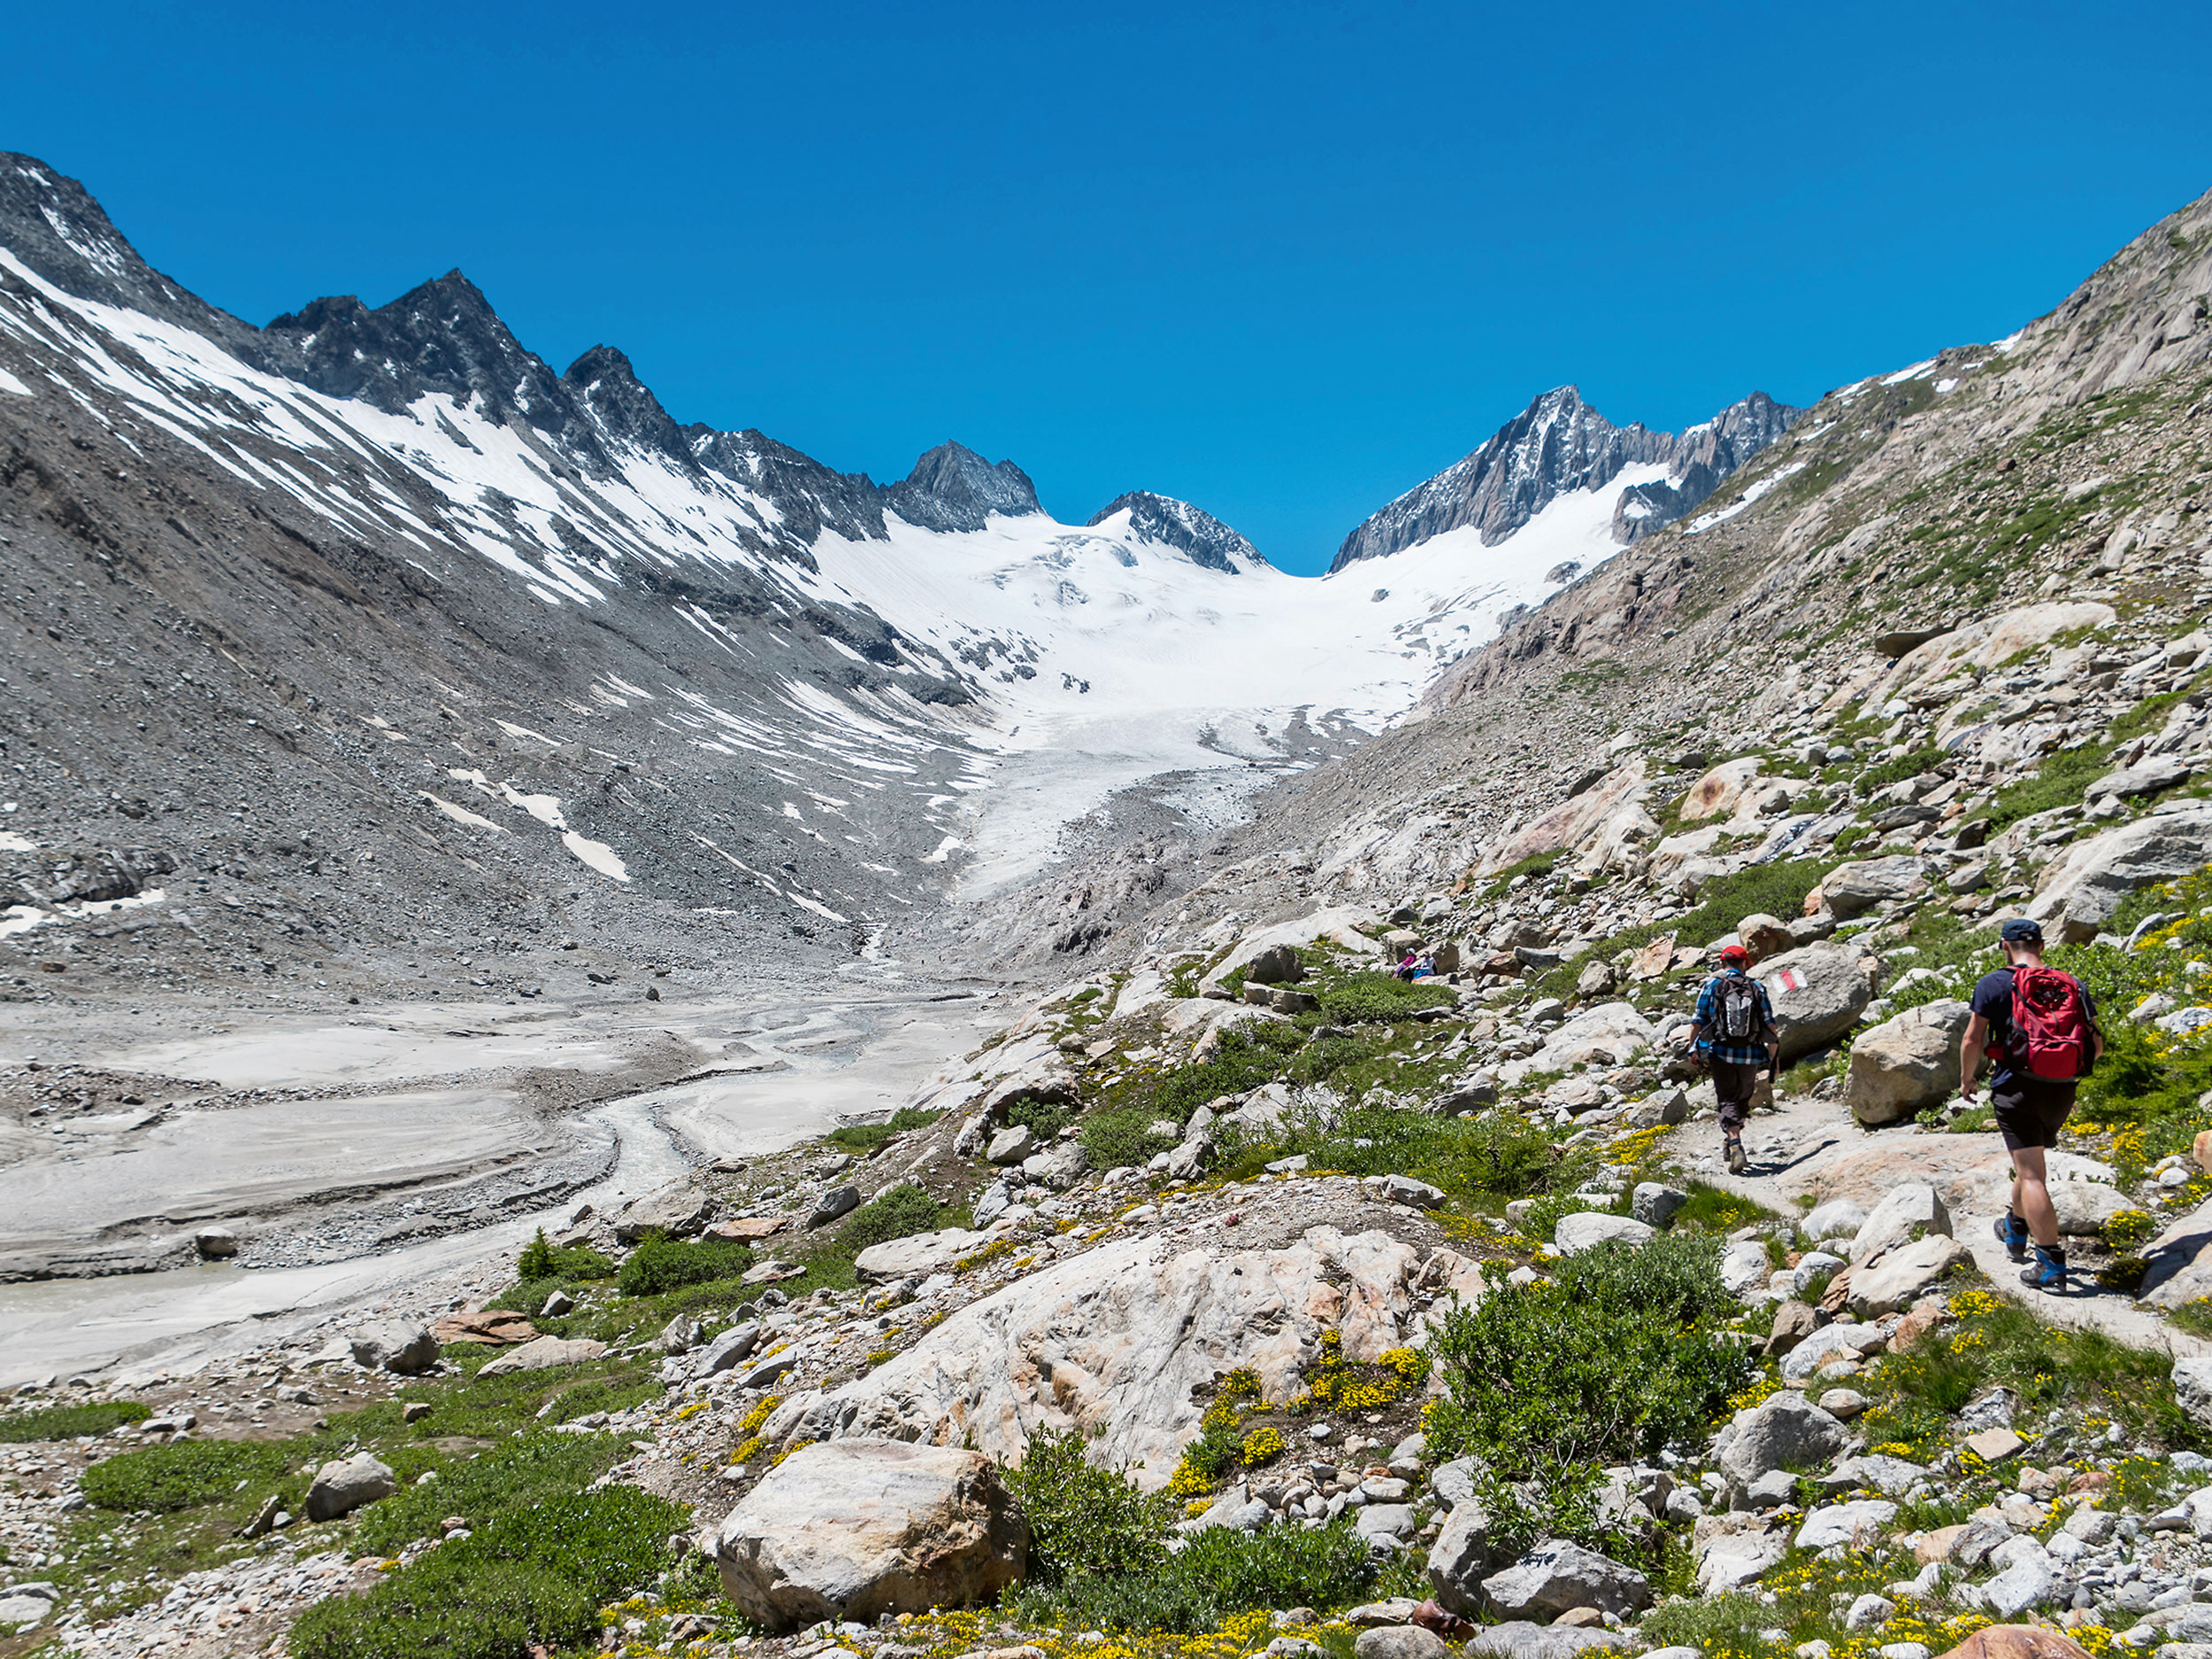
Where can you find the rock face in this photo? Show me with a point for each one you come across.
(1818, 993)
(1906, 1064)
(342, 1487)
(1114, 1342)
(400, 1346)
(855, 1529)
(2079, 890)
(1556, 444)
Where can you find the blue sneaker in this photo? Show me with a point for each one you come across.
(2048, 1275)
(2012, 1233)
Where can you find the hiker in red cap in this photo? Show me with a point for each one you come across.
(1734, 1036)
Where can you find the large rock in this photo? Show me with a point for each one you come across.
(1902, 1274)
(1465, 1553)
(1907, 1064)
(1911, 1210)
(1818, 993)
(733, 1345)
(2179, 1261)
(2146, 777)
(919, 1255)
(548, 1353)
(2193, 1387)
(1855, 1525)
(2079, 890)
(1721, 793)
(678, 1208)
(1853, 889)
(1784, 1430)
(1837, 1218)
(1611, 1032)
(1400, 1641)
(1846, 1340)
(2020, 1641)
(1743, 1267)
(342, 1487)
(852, 1530)
(1341, 925)
(1523, 1639)
(401, 1346)
(1729, 1561)
(1277, 964)
(1113, 1341)
(1587, 1229)
(1556, 1577)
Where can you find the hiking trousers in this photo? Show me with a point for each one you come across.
(1734, 1086)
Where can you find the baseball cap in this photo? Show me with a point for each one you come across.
(2021, 931)
(1734, 954)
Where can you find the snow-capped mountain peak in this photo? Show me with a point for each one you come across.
(1168, 522)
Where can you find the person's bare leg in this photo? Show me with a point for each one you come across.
(2032, 1197)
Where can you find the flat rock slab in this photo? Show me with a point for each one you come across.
(547, 1352)
(921, 1254)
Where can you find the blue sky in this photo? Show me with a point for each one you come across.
(1283, 260)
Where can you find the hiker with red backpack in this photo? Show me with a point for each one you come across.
(1733, 1034)
(2039, 1029)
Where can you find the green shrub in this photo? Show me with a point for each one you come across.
(183, 1474)
(525, 1576)
(542, 1258)
(1221, 1572)
(1112, 1139)
(660, 1264)
(868, 1137)
(1043, 1119)
(1362, 999)
(62, 1423)
(1889, 771)
(1084, 1519)
(2058, 781)
(539, 1469)
(1619, 1354)
(1718, 1209)
(894, 1213)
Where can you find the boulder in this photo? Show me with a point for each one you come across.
(1277, 964)
(1657, 1205)
(343, 1487)
(1903, 1273)
(834, 1205)
(919, 1255)
(1853, 889)
(1743, 1267)
(1911, 1210)
(1557, 1576)
(1784, 1430)
(215, 1244)
(2179, 1261)
(1523, 1639)
(2080, 889)
(676, 1209)
(1855, 1525)
(401, 1346)
(1819, 992)
(2146, 777)
(1399, 1641)
(1462, 1557)
(1846, 1340)
(1837, 1218)
(1763, 935)
(733, 1345)
(1059, 1166)
(1113, 1342)
(2193, 1387)
(548, 1353)
(1906, 1064)
(1585, 1230)
(1732, 1559)
(852, 1530)
(1611, 1032)
(1652, 961)
(1011, 1146)
(1721, 793)
(2019, 1641)
(1793, 1322)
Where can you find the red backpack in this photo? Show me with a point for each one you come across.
(2051, 1033)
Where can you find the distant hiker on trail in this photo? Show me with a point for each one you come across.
(1734, 1035)
(2039, 1028)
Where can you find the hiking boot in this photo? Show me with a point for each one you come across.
(2012, 1233)
(1732, 1153)
(2048, 1274)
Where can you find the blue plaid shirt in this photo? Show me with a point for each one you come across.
(1751, 1053)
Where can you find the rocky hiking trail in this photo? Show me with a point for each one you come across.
(1809, 1149)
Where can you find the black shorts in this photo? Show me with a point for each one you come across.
(2031, 1114)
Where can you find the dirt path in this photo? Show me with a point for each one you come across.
(1814, 1147)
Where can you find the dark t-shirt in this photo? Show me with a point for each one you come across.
(1993, 1001)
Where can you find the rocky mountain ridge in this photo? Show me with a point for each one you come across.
(1557, 444)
